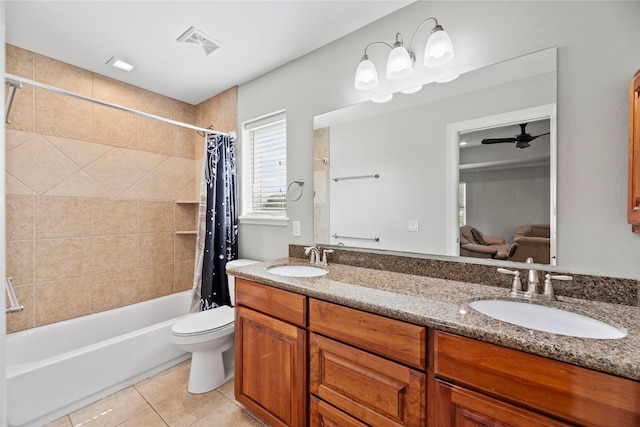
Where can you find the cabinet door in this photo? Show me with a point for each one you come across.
(270, 368)
(633, 214)
(372, 389)
(459, 407)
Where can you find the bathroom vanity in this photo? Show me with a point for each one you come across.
(362, 347)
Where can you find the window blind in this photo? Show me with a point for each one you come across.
(268, 165)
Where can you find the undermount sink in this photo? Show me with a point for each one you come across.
(297, 270)
(547, 319)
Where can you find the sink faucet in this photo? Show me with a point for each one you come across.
(532, 278)
(315, 254)
(549, 292)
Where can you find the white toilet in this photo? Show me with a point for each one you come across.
(209, 336)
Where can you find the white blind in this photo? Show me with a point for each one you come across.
(268, 164)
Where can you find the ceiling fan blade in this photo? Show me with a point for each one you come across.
(542, 134)
(497, 140)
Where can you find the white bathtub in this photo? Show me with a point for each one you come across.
(55, 369)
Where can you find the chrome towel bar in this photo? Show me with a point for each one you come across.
(335, 236)
(14, 306)
(376, 176)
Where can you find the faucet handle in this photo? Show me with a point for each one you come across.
(324, 256)
(314, 254)
(549, 292)
(516, 285)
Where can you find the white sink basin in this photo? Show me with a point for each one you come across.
(297, 271)
(547, 319)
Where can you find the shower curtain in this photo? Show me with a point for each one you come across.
(217, 240)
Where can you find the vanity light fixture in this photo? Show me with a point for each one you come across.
(437, 52)
(119, 63)
(382, 99)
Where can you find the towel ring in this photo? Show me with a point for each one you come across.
(300, 182)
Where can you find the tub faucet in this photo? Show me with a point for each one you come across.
(314, 254)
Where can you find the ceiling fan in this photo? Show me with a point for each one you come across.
(522, 140)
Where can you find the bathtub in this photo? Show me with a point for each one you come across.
(56, 369)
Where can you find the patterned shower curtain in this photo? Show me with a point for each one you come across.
(217, 240)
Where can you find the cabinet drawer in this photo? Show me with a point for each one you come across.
(458, 406)
(397, 340)
(284, 305)
(573, 393)
(370, 388)
(325, 415)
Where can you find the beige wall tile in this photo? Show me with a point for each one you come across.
(155, 249)
(114, 290)
(184, 143)
(185, 247)
(20, 217)
(171, 176)
(63, 217)
(116, 92)
(80, 152)
(221, 110)
(64, 76)
(20, 62)
(22, 114)
(186, 216)
(183, 276)
(115, 217)
(114, 127)
(39, 165)
(155, 136)
(63, 299)
(20, 259)
(13, 186)
(61, 115)
(155, 216)
(24, 319)
(79, 185)
(154, 282)
(13, 138)
(189, 192)
(115, 253)
(58, 259)
(120, 169)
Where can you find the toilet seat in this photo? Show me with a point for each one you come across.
(204, 322)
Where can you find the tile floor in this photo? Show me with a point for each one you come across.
(163, 400)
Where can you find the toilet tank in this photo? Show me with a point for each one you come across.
(232, 279)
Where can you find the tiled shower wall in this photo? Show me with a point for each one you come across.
(91, 191)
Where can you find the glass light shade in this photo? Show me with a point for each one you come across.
(448, 79)
(383, 98)
(411, 90)
(399, 63)
(366, 75)
(439, 49)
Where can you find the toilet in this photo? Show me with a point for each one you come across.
(209, 336)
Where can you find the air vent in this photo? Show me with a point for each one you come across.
(199, 41)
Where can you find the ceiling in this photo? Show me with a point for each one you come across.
(256, 37)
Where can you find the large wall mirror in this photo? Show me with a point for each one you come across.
(462, 168)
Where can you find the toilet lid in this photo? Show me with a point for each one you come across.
(204, 321)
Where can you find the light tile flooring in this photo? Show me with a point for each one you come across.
(163, 400)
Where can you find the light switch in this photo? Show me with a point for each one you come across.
(413, 226)
(296, 228)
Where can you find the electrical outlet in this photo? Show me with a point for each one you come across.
(413, 226)
(296, 228)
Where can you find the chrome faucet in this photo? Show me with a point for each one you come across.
(532, 279)
(324, 256)
(315, 254)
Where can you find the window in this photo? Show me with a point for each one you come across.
(264, 164)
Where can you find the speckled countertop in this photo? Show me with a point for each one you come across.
(444, 305)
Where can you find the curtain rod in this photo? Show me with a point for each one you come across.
(109, 104)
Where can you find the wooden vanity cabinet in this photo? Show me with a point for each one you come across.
(633, 213)
(365, 369)
(481, 384)
(271, 353)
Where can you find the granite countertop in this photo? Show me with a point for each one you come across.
(444, 305)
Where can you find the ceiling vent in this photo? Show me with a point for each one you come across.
(199, 41)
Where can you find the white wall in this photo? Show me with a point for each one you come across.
(598, 53)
